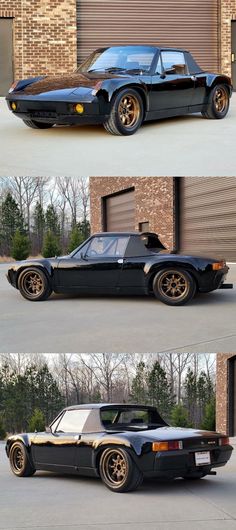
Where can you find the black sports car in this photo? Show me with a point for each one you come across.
(122, 87)
(120, 443)
(130, 263)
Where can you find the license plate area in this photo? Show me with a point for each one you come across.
(202, 458)
(42, 114)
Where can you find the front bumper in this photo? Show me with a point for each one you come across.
(58, 112)
(212, 280)
(174, 464)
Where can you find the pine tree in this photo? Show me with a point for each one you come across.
(20, 246)
(2, 429)
(52, 221)
(39, 227)
(179, 416)
(10, 220)
(76, 238)
(209, 418)
(139, 386)
(37, 421)
(51, 246)
(159, 390)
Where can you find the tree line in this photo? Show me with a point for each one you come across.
(33, 388)
(39, 215)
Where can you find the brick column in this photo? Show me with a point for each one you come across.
(222, 396)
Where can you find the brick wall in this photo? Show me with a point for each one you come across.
(154, 198)
(222, 404)
(44, 35)
(228, 13)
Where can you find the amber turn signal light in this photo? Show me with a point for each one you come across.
(167, 446)
(79, 108)
(218, 265)
(13, 105)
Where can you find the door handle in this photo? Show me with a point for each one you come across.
(77, 437)
(120, 261)
(193, 77)
(233, 57)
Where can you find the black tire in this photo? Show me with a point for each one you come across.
(174, 286)
(194, 476)
(34, 285)
(38, 124)
(218, 103)
(19, 461)
(125, 475)
(126, 113)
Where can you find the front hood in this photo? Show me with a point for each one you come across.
(35, 261)
(67, 82)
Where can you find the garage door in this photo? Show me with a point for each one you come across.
(6, 54)
(120, 212)
(191, 24)
(232, 396)
(208, 216)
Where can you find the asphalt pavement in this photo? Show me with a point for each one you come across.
(116, 324)
(182, 146)
(48, 501)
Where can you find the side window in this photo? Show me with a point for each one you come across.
(83, 251)
(107, 246)
(174, 63)
(72, 421)
(159, 66)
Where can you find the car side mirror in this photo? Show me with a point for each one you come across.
(169, 71)
(48, 429)
(83, 256)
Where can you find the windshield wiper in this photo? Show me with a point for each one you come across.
(137, 71)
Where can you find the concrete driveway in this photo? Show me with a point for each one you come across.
(184, 146)
(51, 502)
(115, 324)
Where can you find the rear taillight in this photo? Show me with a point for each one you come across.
(224, 441)
(167, 446)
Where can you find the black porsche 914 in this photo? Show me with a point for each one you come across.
(119, 443)
(121, 87)
(128, 263)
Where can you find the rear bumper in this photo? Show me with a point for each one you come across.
(174, 464)
(58, 112)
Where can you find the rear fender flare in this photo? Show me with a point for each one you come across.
(156, 268)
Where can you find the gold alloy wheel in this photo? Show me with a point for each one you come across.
(173, 285)
(115, 468)
(32, 283)
(220, 99)
(129, 110)
(18, 459)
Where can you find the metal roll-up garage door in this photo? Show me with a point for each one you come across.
(120, 212)
(191, 24)
(208, 216)
(232, 396)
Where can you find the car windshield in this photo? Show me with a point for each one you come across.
(130, 419)
(119, 59)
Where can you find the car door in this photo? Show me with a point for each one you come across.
(58, 447)
(97, 268)
(172, 85)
